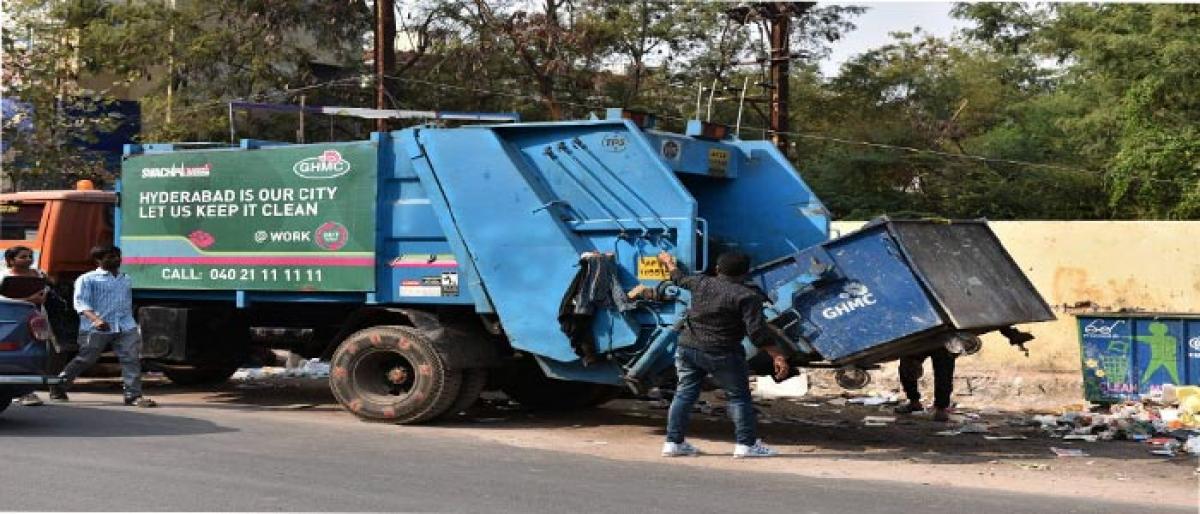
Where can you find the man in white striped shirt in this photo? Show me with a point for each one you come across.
(104, 300)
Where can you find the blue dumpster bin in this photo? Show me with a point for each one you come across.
(897, 287)
(1127, 355)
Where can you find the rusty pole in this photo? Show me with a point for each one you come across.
(780, 64)
(385, 55)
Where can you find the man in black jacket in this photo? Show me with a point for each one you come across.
(724, 310)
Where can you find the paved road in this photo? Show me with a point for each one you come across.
(93, 455)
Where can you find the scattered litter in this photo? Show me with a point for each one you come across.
(1005, 437)
(837, 402)
(879, 420)
(1033, 466)
(811, 404)
(312, 368)
(813, 422)
(1068, 452)
(874, 400)
(973, 428)
(489, 420)
(1164, 453)
(599, 443)
(947, 433)
(299, 406)
(1081, 437)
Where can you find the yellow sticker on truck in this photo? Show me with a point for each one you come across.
(650, 269)
(718, 162)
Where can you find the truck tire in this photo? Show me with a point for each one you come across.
(5, 401)
(473, 382)
(392, 374)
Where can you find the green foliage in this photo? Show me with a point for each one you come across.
(49, 116)
(1101, 98)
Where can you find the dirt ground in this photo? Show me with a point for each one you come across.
(816, 438)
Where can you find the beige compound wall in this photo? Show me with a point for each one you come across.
(1088, 266)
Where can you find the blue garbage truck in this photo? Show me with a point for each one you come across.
(430, 263)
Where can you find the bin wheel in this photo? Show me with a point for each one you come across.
(852, 378)
(392, 374)
(964, 343)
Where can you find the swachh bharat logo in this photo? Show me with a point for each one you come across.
(329, 164)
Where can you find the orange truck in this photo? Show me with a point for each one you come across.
(31, 218)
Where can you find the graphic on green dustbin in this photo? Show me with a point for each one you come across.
(1163, 352)
(1115, 362)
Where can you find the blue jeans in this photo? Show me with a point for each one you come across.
(729, 370)
(126, 344)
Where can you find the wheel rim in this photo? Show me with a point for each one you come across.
(384, 376)
(852, 378)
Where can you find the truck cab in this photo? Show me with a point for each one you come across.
(60, 226)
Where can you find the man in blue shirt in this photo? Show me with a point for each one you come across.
(104, 300)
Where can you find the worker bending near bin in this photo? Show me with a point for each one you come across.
(912, 368)
(724, 310)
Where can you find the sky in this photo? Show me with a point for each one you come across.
(883, 18)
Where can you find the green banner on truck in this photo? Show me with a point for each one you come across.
(286, 218)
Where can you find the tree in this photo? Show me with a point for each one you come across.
(48, 119)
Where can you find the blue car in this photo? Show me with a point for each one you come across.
(24, 332)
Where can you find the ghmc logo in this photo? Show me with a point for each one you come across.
(853, 297)
(329, 164)
(1194, 343)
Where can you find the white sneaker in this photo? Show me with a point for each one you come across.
(683, 449)
(758, 450)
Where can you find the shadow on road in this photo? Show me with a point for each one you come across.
(100, 420)
(284, 394)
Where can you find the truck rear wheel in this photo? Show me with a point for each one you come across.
(474, 381)
(392, 374)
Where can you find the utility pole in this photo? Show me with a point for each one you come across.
(776, 18)
(779, 16)
(170, 63)
(385, 55)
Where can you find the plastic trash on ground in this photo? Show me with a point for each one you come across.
(765, 388)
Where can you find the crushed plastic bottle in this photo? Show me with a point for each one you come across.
(1192, 445)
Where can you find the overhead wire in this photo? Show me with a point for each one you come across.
(818, 137)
